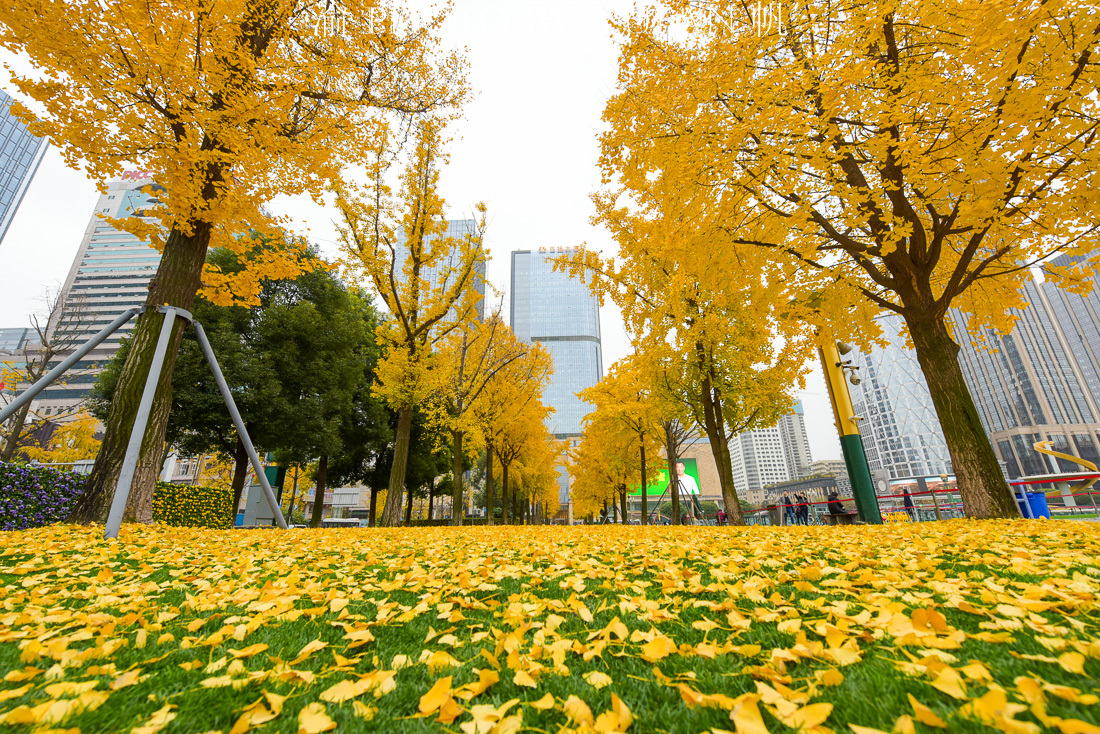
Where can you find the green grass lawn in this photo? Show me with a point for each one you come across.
(984, 623)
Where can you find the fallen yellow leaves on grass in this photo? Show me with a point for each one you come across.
(955, 626)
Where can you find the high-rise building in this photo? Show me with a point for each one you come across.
(796, 445)
(443, 274)
(111, 273)
(767, 456)
(1039, 382)
(20, 154)
(900, 428)
(563, 315)
(758, 460)
(12, 340)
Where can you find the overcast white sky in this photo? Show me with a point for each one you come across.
(542, 71)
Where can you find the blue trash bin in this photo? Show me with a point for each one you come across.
(1037, 501)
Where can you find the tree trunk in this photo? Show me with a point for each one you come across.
(984, 491)
(622, 503)
(178, 279)
(240, 472)
(20, 420)
(456, 478)
(409, 508)
(489, 489)
(391, 514)
(319, 494)
(673, 480)
(431, 498)
(645, 498)
(517, 518)
(372, 517)
(504, 516)
(715, 425)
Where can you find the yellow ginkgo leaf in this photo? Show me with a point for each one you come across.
(345, 690)
(157, 721)
(307, 650)
(746, 717)
(522, 678)
(809, 716)
(578, 711)
(1073, 662)
(313, 719)
(545, 703)
(436, 695)
(129, 678)
(657, 648)
(597, 679)
(926, 715)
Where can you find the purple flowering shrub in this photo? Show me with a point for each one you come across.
(33, 496)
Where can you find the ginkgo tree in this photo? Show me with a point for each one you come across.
(398, 243)
(900, 156)
(225, 105)
(509, 392)
(727, 352)
(628, 412)
(469, 358)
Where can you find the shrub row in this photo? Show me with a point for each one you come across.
(182, 505)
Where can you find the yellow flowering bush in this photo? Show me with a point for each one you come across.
(182, 505)
(955, 626)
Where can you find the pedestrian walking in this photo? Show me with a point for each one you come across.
(910, 509)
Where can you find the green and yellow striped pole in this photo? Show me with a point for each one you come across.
(851, 444)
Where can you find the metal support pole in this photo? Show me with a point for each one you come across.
(137, 433)
(30, 393)
(239, 423)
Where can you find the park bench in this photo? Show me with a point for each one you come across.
(841, 518)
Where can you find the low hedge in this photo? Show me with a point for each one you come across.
(185, 506)
(33, 496)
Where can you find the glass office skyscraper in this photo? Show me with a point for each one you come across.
(20, 154)
(562, 315)
(111, 273)
(901, 431)
(1040, 381)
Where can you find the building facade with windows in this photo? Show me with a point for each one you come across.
(20, 154)
(110, 273)
(767, 456)
(563, 315)
(900, 428)
(1040, 381)
(796, 444)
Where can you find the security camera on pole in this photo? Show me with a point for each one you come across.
(847, 424)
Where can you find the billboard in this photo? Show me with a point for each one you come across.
(659, 485)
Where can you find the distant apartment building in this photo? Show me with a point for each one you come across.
(767, 456)
(900, 428)
(20, 155)
(110, 273)
(563, 315)
(1040, 381)
(796, 444)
